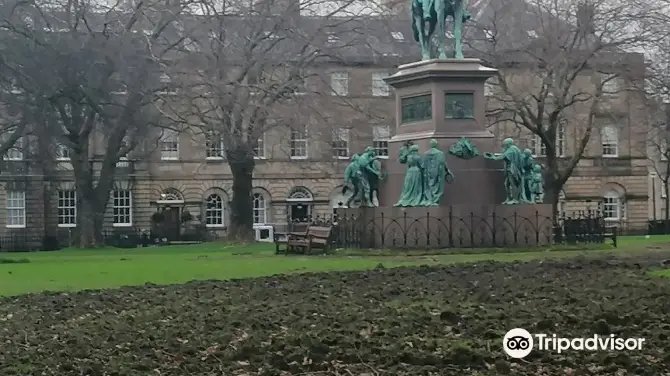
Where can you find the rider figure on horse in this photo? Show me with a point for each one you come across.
(435, 13)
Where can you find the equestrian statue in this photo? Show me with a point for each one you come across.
(429, 14)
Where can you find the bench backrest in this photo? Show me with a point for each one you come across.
(319, 231)
(299, 227)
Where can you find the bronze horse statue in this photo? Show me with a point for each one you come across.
(435, 13)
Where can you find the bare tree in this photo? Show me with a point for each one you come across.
(92, 68)
(558, 60)
(17, 107)
(252, 72)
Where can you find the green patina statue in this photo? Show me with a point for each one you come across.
(464, 149)
(514, 181)
(354, 179)
(528, 161)
(413, 189)
(436, 173)
(429, 16)
(536, 186)
(372, 169)
(363, 175)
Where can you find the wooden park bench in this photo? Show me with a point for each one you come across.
(316, 237)
(282, 238)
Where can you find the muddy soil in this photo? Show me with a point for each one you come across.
(408, 321)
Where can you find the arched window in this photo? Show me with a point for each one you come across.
(171, 195)
(260, 210)
(214, 211)
(300, 194)
(300, 205)
(613, 206)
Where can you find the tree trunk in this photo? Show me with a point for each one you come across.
(90, 220)
(666, 190)
(552, 190)
(241, 227)
(551, 197)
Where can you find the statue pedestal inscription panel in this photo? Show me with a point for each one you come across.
(444, 99)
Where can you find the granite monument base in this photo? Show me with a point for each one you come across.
(478, 181)
(455, 226)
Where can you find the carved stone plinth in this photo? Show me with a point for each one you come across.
(445, 100)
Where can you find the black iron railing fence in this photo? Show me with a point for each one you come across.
(24, 241)
(425, 232)
(462, 231)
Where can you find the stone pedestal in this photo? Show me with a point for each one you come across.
(432, 84)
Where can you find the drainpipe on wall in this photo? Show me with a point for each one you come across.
(45, 208)
(653, 194)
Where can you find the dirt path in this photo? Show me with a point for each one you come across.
(405, 321)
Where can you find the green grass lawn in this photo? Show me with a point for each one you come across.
(73, 269)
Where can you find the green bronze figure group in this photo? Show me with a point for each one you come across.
(425, 177)
(363, 175)
(523, 177)
(429, 16)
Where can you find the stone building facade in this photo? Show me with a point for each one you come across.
(612, 176)
(299, 170)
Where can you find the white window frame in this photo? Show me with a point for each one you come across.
(610, 86)
(166, 79)
(609, 143)
(62, 153)
(339, 84)
(381, 134)
(16, 209)
(298, 141)
(67, 208)
(260, 209)
(16, 152)
(342, 136)
(614, 207)
(539, 149)
(122, 200)
(213, 147)
(379, 87)
(169, 145)
(215, 216)
(259, 150)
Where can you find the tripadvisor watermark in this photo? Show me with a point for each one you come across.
(518, 343)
